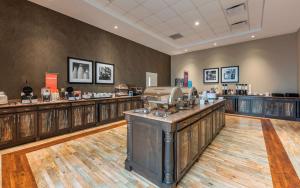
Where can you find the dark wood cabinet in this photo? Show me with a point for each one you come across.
(7, 129)
(230, 105)
(137, 103)
(183, 153)
(164, 150)
(202, 135)
(270, 107)
(26, 126)
(47, 123)
(108, 111)
(194, 140)
(90, 115)
(83, 115)
(123, 105)
(278, 108)
(244, 106)
(257, 106)
(77, 117)
(63, 119)
(27, 123)
(53, 120)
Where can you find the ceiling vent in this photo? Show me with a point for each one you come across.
(240, 26)
(176, 36)
(236, 9)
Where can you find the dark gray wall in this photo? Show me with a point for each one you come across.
(35, 40)
(269, 65)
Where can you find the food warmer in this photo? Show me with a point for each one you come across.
(161, 100)
(189, 99)
(121, 90)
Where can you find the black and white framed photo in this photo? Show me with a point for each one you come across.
(211, 75)
(230, 74)
(105, 73)
(80, 71)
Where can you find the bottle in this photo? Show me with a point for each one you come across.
(242, 89)
(246, 89)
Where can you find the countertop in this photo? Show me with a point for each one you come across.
(176, 117)
(17, 103)
(260, 96)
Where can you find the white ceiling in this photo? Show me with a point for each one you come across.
(151, 22)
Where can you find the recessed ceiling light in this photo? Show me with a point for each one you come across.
(215, 44)
(185, 50)
(116, 27)
(253, 36)
(196, 23)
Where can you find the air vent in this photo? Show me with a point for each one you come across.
(176, 36)
(240, 23)
(236, 9)
(240, 26)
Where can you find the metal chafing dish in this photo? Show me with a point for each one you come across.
(121, 90)
(189, 99)
(161, 100)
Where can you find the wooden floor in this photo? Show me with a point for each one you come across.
(289, 134)
(240, 156)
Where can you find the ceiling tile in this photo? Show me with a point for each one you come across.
(126, 5)
(139, 1)
(175, 22)
(200, 3)
(140, 12)
(166, 14)
(191, 16)
(103, 2)
(131, 17)
(116, 9)
(183, 6)
(154, 6)
(152, 20)
(171, 2)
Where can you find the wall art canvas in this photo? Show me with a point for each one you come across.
(105, 73)
(80, 71)
(211, 75)
(230, 74)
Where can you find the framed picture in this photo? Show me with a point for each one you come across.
(211, 75)
(230, 74)
(105, 73)
(80, 71)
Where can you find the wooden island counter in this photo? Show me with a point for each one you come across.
(164, 149)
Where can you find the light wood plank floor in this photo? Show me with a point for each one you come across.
(237, 158)
(289, 134)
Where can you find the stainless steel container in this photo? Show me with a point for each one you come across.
(164, 98)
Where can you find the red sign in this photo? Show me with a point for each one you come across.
(185, 79)
(51, 81)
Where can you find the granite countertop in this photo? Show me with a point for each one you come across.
(176, 117)
(17, 103)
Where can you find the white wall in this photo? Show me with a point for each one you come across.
(269, 65)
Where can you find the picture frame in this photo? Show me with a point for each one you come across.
(211, 75)
(80, 71)
(105, 73)
(230, 74)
